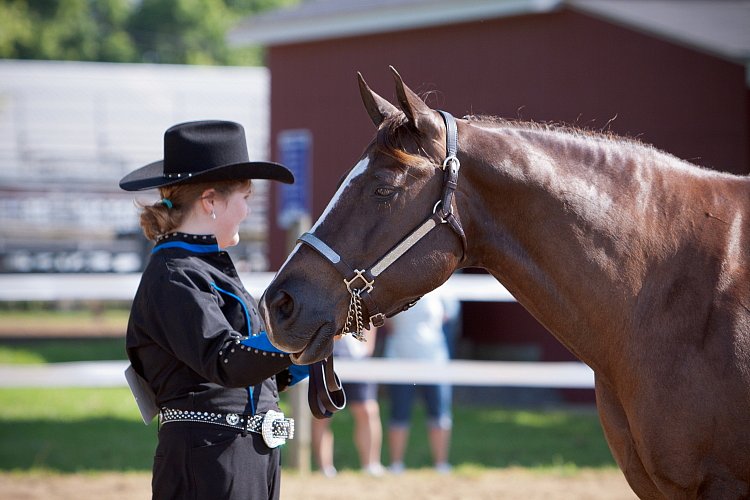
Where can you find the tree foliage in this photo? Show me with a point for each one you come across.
(162, 31)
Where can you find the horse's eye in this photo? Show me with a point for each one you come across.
(385, 191)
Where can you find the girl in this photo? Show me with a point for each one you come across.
(195, 340)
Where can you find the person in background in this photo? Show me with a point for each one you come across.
(417, 333)
(200, 357)
(362, 402)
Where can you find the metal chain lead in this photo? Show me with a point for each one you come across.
(355, 313)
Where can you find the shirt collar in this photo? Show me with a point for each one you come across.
(196, 243)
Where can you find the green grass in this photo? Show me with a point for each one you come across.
(56, 351)
(495, 437)
(78, 430)
(73, 430)
(533, 439)
(90, 430)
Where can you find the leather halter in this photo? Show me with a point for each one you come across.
(361, 282)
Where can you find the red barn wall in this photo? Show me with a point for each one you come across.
(561, 67)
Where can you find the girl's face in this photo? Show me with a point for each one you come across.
(230, 212)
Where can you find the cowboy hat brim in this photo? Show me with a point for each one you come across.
(152, 175)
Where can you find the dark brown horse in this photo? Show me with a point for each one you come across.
(635, 260)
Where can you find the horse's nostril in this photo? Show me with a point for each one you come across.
(283, 304)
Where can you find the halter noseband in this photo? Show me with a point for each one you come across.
(360, 282)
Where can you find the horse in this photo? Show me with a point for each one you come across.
(635, 260)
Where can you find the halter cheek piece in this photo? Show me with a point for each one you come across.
(360, 282)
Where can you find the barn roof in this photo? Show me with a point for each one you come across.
(718, 27)
(324, 19)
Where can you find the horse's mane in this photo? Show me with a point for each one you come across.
(395, 133)
(586, 133)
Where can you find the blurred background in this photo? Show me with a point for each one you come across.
(87, 88)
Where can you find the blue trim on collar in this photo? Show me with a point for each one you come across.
(192, 247)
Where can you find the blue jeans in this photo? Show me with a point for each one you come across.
(357, 392)
(437, 400)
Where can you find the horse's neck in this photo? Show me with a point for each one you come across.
(572, 227)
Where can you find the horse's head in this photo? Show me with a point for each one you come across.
(381, 243)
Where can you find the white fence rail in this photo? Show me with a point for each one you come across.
(122, 287)
(566, 375)
(51, 287)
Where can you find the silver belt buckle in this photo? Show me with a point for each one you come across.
(276, 429)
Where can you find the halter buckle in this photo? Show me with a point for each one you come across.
(359, 274)
(443, 214)
(377, 320)
(451, 161)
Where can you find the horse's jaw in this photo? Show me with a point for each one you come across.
(319, 347)
(303, 350)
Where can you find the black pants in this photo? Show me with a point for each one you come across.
(204, 462)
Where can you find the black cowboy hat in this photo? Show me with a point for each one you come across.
(202, 151)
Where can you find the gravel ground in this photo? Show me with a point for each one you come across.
(506, 484)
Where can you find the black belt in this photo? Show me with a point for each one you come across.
(272, 425)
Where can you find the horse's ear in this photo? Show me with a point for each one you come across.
(412, 105)
(377, 107)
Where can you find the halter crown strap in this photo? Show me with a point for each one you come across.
(451, 166)
(451, 134)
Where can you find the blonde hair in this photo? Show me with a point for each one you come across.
(164, 216)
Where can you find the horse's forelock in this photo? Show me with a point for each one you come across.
(392, 136)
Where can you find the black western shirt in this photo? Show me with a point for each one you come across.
(196, 336)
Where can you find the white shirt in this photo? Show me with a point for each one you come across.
(417, 333)
(349, 347)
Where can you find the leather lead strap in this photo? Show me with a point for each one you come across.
(325, 394)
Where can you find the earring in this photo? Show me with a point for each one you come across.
(213, 215)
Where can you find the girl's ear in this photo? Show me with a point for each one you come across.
(207, 199)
